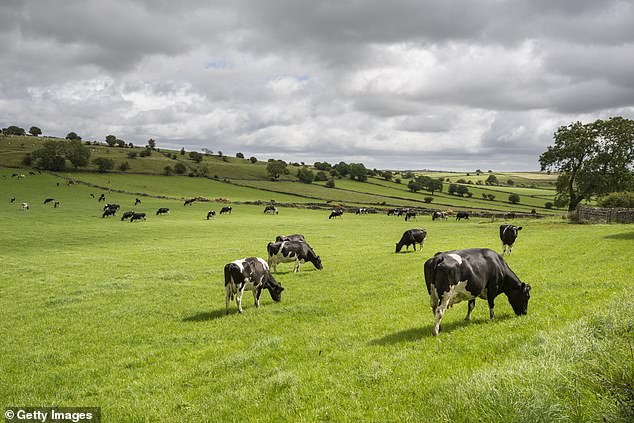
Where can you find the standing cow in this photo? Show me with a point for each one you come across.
(336, 213)
(289, 251)
(459, 275)
(211, 214)
(271, 209)
(249, 274)
(412, 237)
(508, 235)
(163, 210)
(462, 215)
(226, 210)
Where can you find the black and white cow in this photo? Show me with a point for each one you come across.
(460, 275)
(25, 206)
(162, 210)
(189, 202)
(102, 197)
(508, 235)
(412, 237)
(211, 214)
(292, 251)
(362, 211)
(56, 204)
(137, 216)
(111, 206)
(271, 209)
(249, 274)
(438, 215)
(294, 237)
(226, 210)
(392, 212)
(109, 212)
(127, 215)
(137, 202)
(411, 214)
(462, 215)
(336, 213)
(49, 200)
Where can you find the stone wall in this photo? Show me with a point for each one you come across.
(600, 215)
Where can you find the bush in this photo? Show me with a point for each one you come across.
(167, 171)
(514, 198)
(306, 176)
(330, 183)
(548, 205)
(124, 166)
(617, 200)
(428, 199)
(180, 168)
(253, 159)
(103, 164)
(321, 176)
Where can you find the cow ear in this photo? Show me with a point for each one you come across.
(519, 229)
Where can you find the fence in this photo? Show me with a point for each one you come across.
(601, 215)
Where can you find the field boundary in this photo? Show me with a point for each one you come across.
(585, 214)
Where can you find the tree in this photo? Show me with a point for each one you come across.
(358, 172)
(514, 198)
(240, 155)
(121, 143)
(413, 185)
(124, 166)
(167, 171)
(103, 164)
(321, 176)
(330, 183)
(276, 168)
(305, 175)
(462, 190)
(182, 151)
(196, 156)
(151, 144)
(13, 130)
(73, 136)
(77, 153)
(592, 159)
(111, 140)
(35, 131)
(453, 188)
(322, 166)
(342, 169)
(180, 168)
(51, 156)
(253, 159)
(491, 180)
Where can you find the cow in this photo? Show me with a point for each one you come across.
(109, 212)
(438, 215)
(162, 210)
(410, 215)
(462, 215)
(25, 206)
(294, 237)
(111, 206)
(412, 237)
(127, 215)
(189, 202)
(336, 213)
(249, 274)
(49, 200)
(288, 251)
(226, 210)
(401, 212)
(91, 194)
(392, 212)
(102, 197)
(271, 209)
(12, 200)
(56, 204)
(459, 275)
(362, 211)
(137, 202)
(508, 235)
(210, 214)
(137, 216)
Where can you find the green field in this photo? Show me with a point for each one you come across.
(129, 317)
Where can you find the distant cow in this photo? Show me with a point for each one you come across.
(271, 209)
(249, 274)
(410, 215)
(462, 215)
(102, 197)
(226, 210)
(392, 212)
(25, 206)
(137, 202)
(401, 212)
(294, 237)
(336, 213)
(12, 200)
(127, 215)
(49, 200)
(438, 215)
(163, 210)
(508, 235)
(111, 206)
(210, 214)
(189, 202)
(362, 211)
(137, 216)
(412, 237)
(56, 204)
(109, 212)
(289, 251)
(459, 275)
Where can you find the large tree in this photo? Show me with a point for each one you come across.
(276, 168)
(592, 159)
(35, 131)
(77, 153)
(53, 155)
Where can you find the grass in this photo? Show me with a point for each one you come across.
(130, 317)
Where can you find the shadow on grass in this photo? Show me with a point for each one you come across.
(206, 315)
(414, 334)
(625, 236)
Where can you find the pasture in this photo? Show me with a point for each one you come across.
(130, 317)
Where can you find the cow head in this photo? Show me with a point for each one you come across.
(275, 289)
(317, 262)
(398, 247)
(519, 298)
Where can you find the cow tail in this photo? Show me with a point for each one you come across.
(430, 270)
(228, 280)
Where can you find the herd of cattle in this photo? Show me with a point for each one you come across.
(450, 277)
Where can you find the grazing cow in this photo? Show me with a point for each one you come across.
(56, 204)
(109, 212)
(102, 197)
(137, 216)
(137, 202)
(508, 235)
(249, 274)
(412, 237)
(226, 210)
(12, 200)
(460, 275)
(392, 212)
(462, 215)
(271, 209)
(49, 200)
(163, 210)
(294, 237)
(410, 215)
(288, 251)
(189, 202)
(336, 213)
(91, 194)
(401, 212)
(210, 214)
(362, 211)
(438, 215)
(111, 206)
(25, 206)
(127, 215)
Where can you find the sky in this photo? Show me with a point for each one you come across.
(400, 84)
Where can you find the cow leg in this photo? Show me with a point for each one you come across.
(256, 296)
(470, 308)
(296, 268)
(239, 299)
(440, 312)
(491, 305)
(227, 297)
(414, 244)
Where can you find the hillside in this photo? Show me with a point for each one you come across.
(237, 179)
